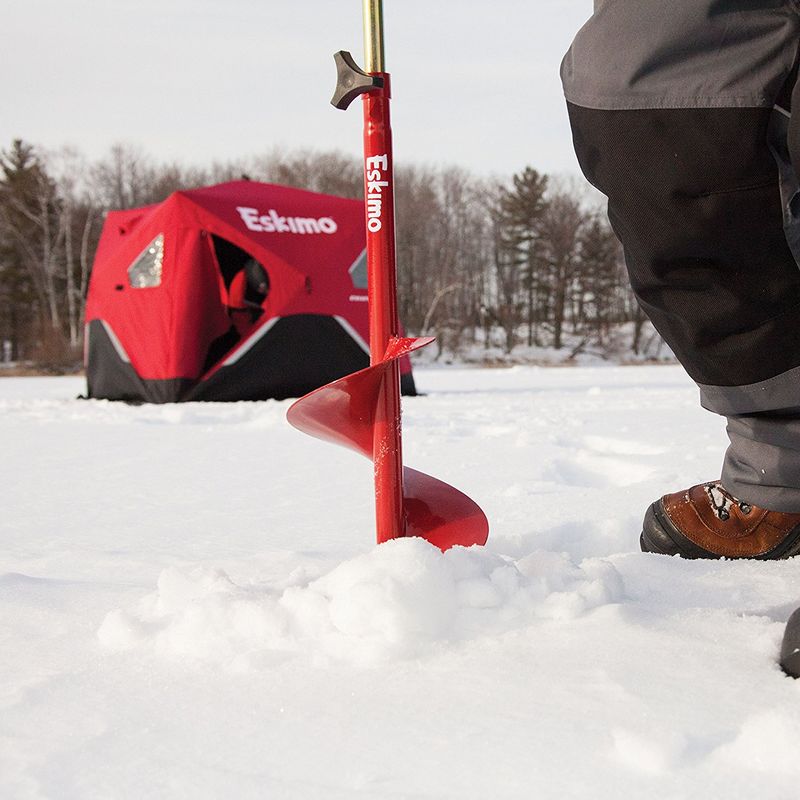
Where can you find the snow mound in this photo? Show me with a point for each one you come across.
(767, 742)
(395, 602)
(648, 753)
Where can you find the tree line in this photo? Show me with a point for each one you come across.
(484, 264)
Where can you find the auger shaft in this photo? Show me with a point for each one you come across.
(382, 279)
(373, 36)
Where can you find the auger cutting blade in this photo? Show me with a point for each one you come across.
(344, 413)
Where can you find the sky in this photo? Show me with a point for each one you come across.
(474, 84)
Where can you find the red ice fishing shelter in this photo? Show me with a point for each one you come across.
(240, 291)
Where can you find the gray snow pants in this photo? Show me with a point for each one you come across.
(681, 115)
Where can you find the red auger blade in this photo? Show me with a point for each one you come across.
(344, 412)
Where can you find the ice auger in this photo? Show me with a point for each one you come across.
(362, 410)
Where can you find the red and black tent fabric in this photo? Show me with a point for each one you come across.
(240, 291)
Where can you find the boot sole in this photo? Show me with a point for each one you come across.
(659, 535)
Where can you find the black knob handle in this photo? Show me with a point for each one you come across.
(351, 80)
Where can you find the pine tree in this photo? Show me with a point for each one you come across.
(30, 237)
(601, 274)
(522, 210)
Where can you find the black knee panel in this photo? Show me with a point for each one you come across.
(694, 196)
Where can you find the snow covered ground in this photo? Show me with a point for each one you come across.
(191, 604)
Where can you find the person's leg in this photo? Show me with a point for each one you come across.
(673, 118)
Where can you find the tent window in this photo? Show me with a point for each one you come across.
(358, 271)
(145, 272)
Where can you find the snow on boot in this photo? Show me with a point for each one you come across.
(707, 521)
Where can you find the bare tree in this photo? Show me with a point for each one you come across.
(328, 172)
(32, 221)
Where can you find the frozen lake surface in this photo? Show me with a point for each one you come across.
(192, 605)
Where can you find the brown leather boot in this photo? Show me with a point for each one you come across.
(706, 521)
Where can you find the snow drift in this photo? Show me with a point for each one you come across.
(394, 602)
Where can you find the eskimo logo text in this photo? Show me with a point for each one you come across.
(272, 222)
(376, 167)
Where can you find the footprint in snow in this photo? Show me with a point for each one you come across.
(621, 447)
(587, 468)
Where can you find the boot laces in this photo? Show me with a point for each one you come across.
(722, 501)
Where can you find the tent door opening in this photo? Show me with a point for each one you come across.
(247, 286)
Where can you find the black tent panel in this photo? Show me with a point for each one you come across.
(407, 385)
(287, 357)
(293, 356)
(111, 376)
